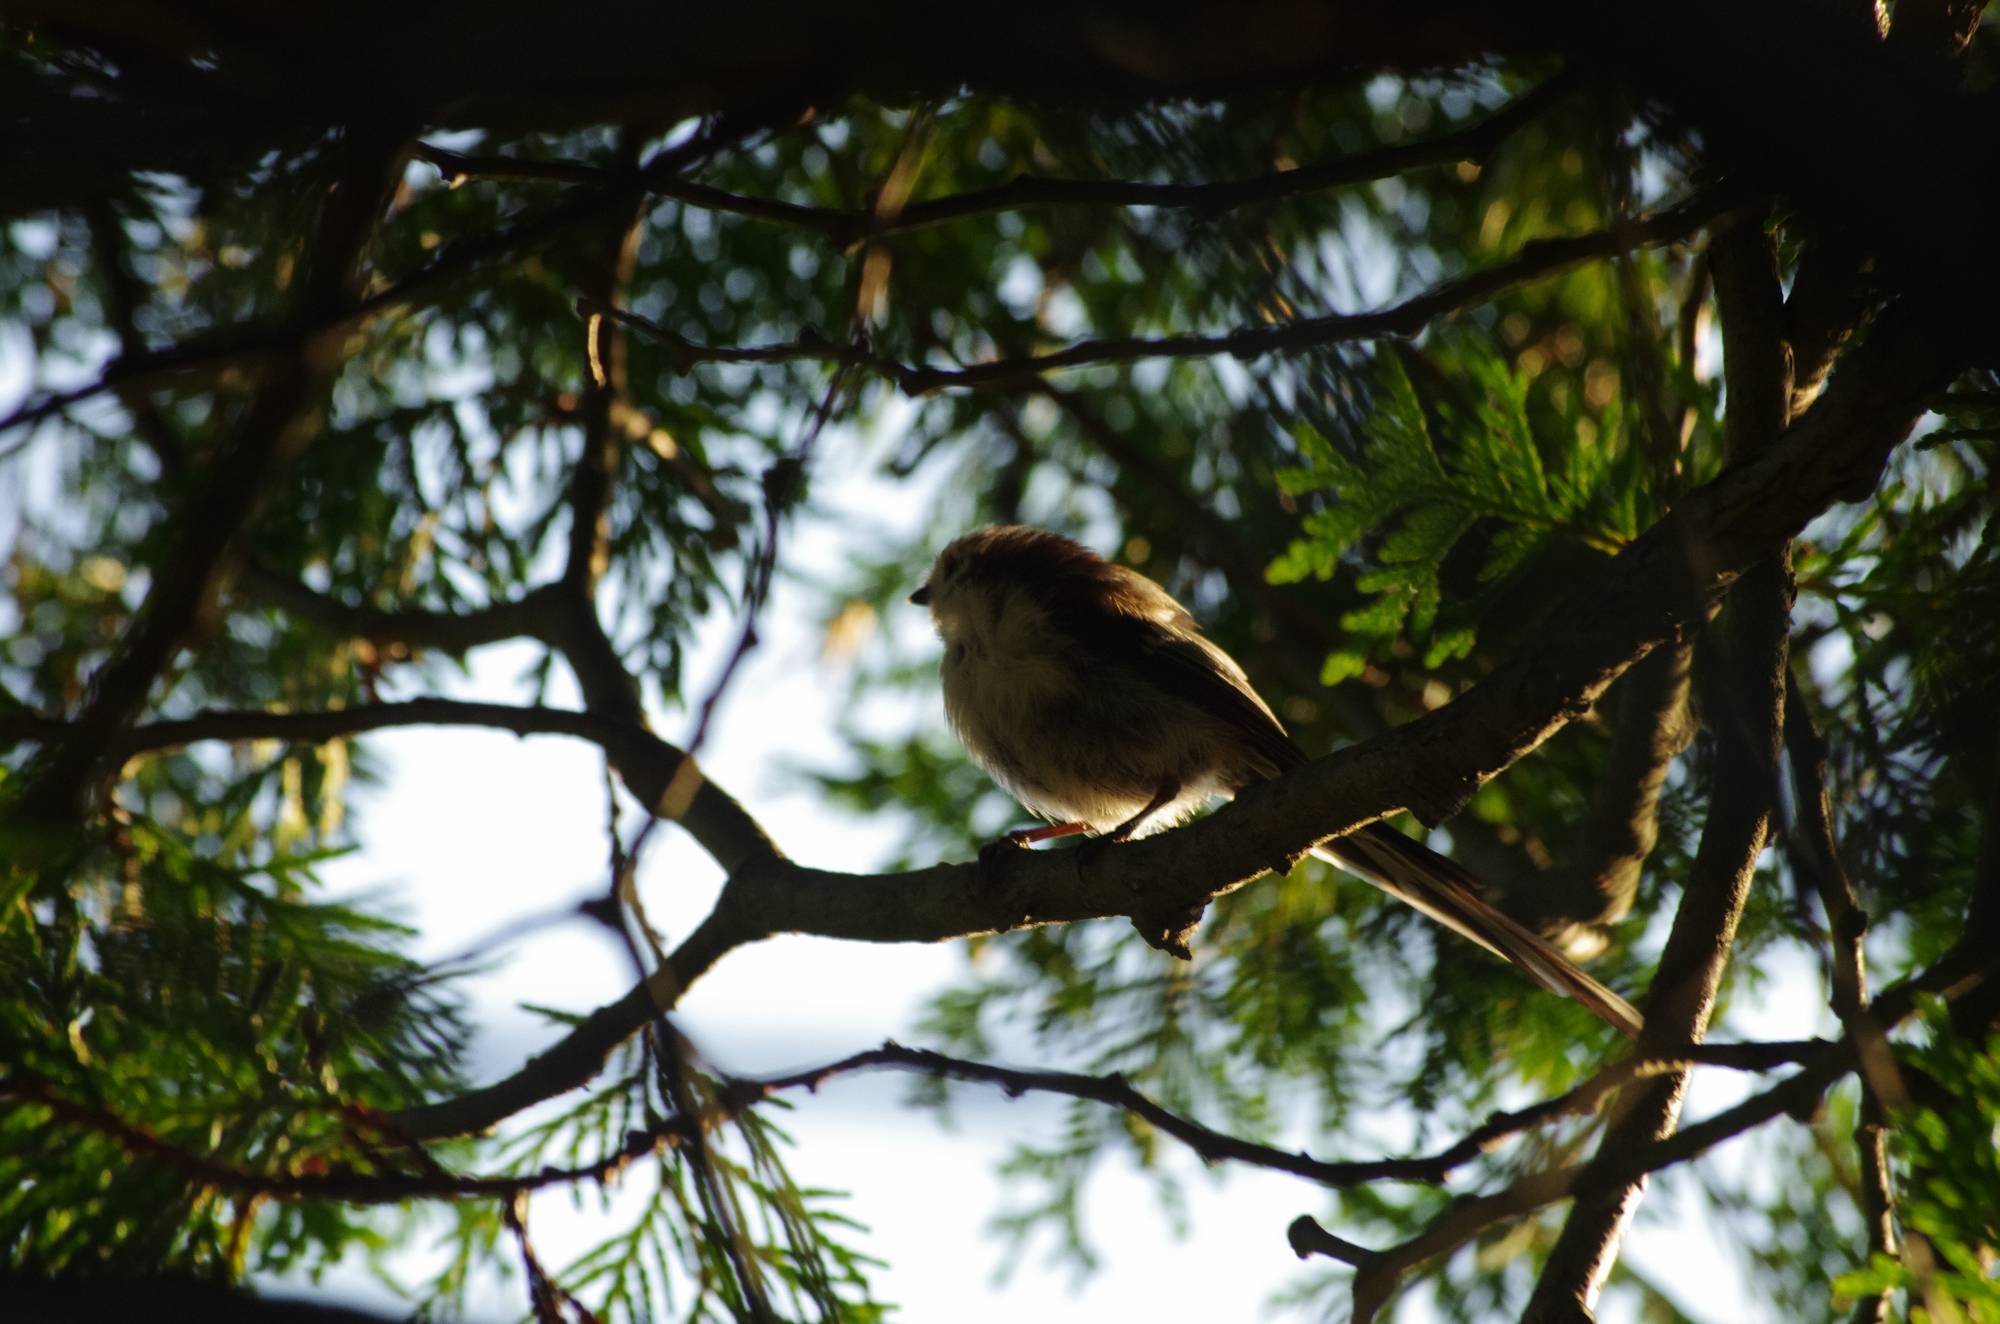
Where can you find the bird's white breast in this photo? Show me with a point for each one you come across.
(1001, 676)
(1017, 691)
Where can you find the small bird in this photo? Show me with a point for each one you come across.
(1092, 696)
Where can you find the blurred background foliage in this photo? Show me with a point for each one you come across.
(1367, 525)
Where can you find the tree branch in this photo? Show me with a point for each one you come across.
(657, 772)
(1815, 854)
(123, 295)
(1381, 1271)
(1749, 703)
(454, 632)
(1822, 1062)
(1849, 134)
(307, 336)
(1828, 299)
(847, 227)
(1597, 883)
(1537, 259)
(282, 419)
(735, 1094)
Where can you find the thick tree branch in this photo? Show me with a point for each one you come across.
(1746, 711)
(1596, 885)
(726, 831)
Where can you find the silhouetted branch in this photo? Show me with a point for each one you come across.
(1588, 1096)
(224, 347)
(1748, 660)
(346, 1185)
(1653, 726)
(733, 1095)
(1876, 1194)
(1815, 854)
(1537, 259)
(847, 227)
(279, 421)
(784, 484)
(123, 295)
(1381, 1271)
(454, 632)
(1214, 1146)
(657, 771)
(1822, 1063)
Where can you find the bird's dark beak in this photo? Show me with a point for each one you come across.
(922, 597)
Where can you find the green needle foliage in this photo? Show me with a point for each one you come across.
(1422, 503)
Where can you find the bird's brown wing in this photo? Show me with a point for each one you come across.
(1139, 627)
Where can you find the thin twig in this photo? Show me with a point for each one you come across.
(1816, 854)
(1537, 259)
(233, 346)
(847, 227)
(735, 1094)
(1586, 1097)
(1382, 1270)
(783, 484)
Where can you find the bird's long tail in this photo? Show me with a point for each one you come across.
(1419, 876)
